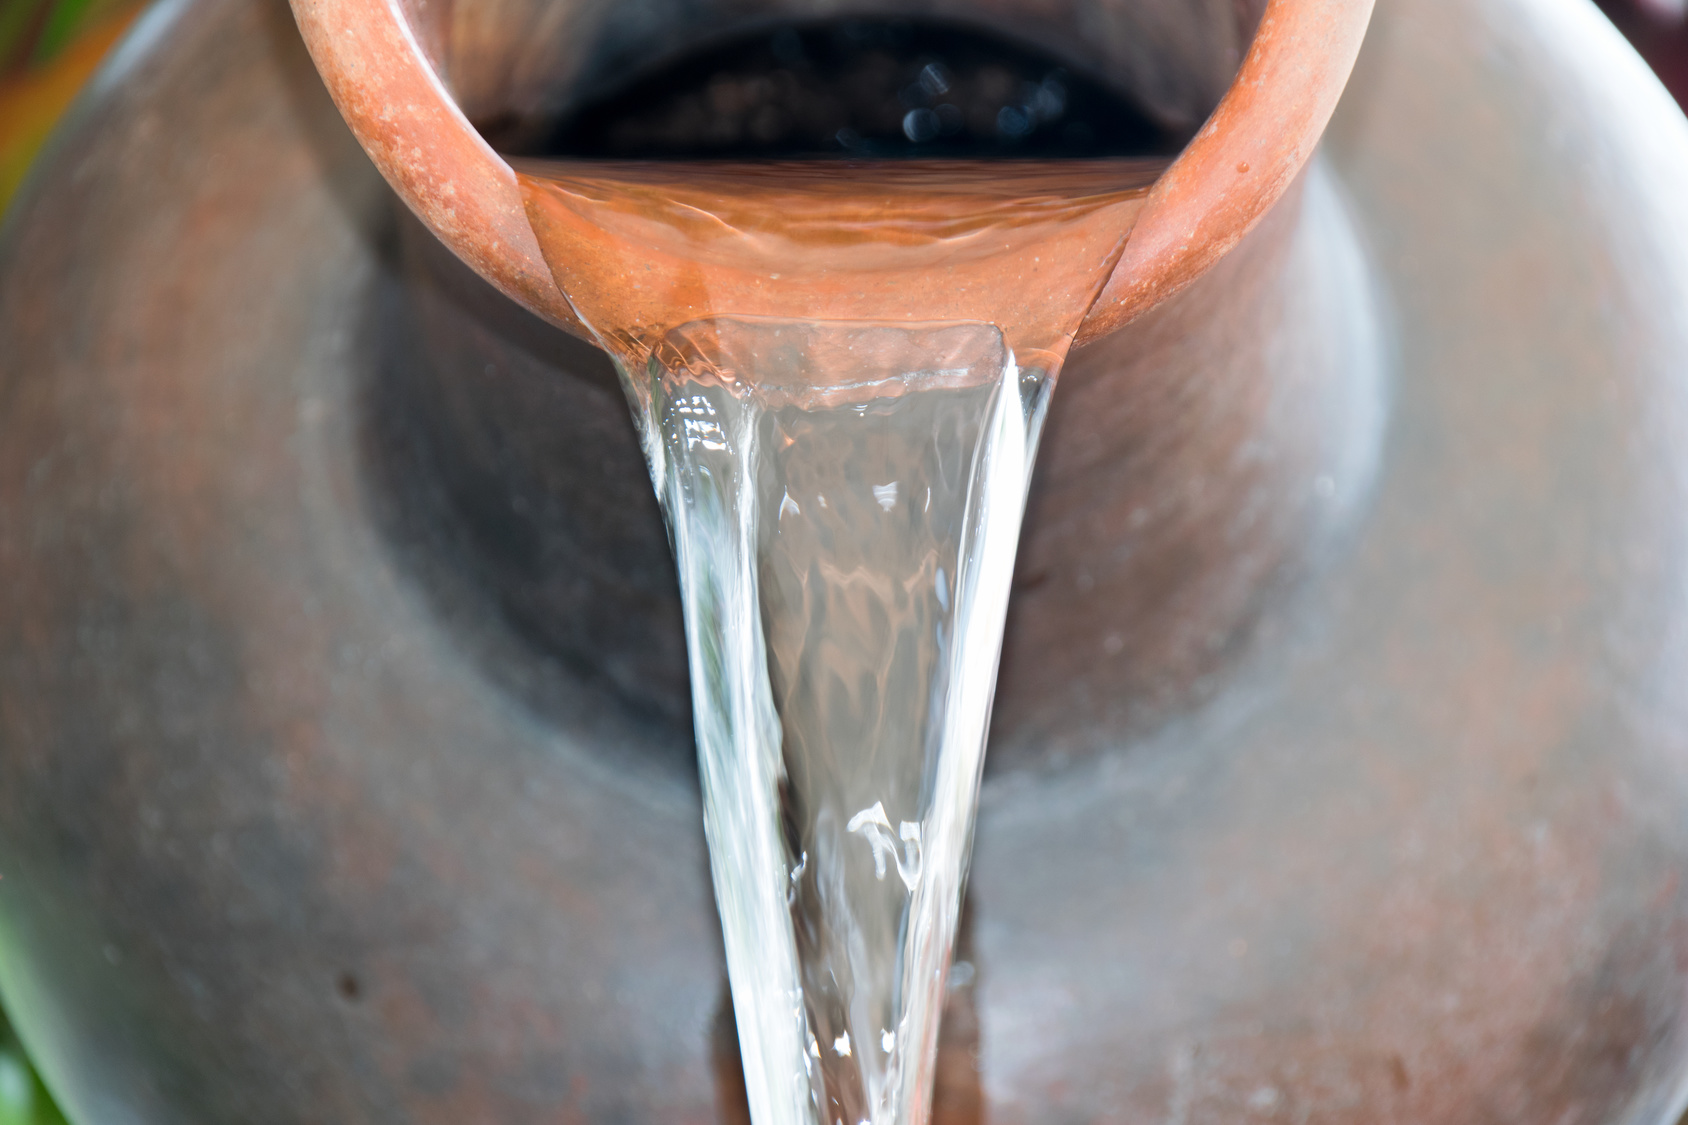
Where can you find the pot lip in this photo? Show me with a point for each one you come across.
(1240, 162)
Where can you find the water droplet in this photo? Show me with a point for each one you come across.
(1013, 121)
(935, 79)
(921, 125)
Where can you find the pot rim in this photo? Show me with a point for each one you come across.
(1239, 163)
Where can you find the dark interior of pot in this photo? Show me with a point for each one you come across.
(528, 59)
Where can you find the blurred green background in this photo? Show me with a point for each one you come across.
(47, 50)
(23, 1100)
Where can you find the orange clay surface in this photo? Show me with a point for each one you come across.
(642, 248)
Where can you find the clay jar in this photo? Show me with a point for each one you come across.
(1338, 767)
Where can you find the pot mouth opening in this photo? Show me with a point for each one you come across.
(747, 78)
(856, 88)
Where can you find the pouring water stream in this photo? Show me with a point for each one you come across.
(839, 373)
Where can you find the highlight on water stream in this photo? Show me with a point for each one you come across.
(839, 294)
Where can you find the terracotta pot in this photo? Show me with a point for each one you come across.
(1338, 771)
